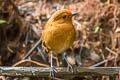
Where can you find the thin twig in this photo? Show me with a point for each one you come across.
(32, 49)
(34, 62)
(111, 51)
(102, 62)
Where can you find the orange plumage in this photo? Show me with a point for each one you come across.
(59, 32)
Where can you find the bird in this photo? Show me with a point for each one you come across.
(58, 34)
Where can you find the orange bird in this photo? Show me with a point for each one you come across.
(59, 33)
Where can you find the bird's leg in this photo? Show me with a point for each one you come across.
(70, 67)
(52, 68)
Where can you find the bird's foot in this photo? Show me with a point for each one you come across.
(70, 68)
(52, 70)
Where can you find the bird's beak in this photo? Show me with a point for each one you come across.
(74, 13)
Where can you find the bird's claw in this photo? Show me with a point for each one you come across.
(70, 68)
(52, 70)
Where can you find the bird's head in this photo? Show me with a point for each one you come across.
(62, 16)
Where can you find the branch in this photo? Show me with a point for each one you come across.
(44, 71)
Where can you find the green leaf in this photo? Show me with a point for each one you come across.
(2, 21)
(97, 28)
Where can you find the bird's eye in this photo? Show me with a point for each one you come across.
(64, 16)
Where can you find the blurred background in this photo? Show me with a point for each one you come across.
(97, 32)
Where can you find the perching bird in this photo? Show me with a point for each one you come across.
(59, 33)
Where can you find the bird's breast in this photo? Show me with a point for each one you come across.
(59, 37)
